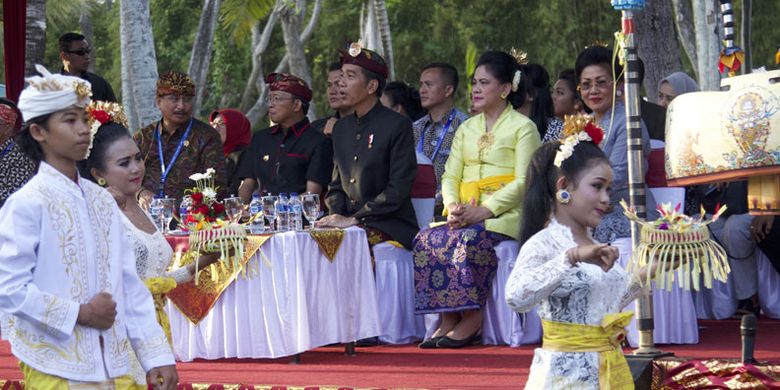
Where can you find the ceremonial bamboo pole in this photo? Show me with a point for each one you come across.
(636, 179)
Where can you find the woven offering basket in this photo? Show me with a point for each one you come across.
(692, 254)
(677, 242)
(224, 239)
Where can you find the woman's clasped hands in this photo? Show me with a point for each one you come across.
(461, 215)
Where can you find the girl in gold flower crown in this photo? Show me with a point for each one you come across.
(116, 162)
(572, 278)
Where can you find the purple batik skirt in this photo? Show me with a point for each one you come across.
(453, 268)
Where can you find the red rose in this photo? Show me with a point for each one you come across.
(101, 116)
(197, 198)
(595, 133)
(219, 208)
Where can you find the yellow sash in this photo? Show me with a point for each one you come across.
(159, 287)
(474, 189)
(605, 339)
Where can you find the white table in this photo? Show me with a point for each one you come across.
(302, 302)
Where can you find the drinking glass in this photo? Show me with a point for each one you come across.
(269, 211)
(168, 209)
(156, 212)
(311, 207)
(233, 208)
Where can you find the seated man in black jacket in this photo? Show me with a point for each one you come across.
(374, 157)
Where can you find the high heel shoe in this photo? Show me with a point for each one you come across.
(429, 343)
(449, 342)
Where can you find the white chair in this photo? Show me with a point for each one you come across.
(674, 312)
(395, 269)
(395, 295)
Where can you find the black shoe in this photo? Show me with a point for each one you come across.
(367, 342)
(429, 343)
(448, 342)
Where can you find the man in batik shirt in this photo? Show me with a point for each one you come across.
(188, 145)
(434, 132)
(15, 167)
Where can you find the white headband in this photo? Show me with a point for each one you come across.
(51, 93)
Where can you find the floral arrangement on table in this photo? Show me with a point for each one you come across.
(679, 242)
(206, 221)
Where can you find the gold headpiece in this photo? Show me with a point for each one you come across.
(597, 43)
(520, 56)
(175, 82)
(576, 128)
(100, 113)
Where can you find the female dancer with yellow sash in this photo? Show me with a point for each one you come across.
(482, 187)
(115, 162)
(572, 278)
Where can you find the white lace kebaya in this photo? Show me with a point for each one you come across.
(580, 294)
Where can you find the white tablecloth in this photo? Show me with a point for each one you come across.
(302, 302)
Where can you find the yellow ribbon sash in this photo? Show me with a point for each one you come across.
(605, 339)
(159, 287)
(473, 189)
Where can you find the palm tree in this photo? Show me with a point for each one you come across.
(139, 62)
(202, 49)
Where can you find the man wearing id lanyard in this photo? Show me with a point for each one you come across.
(178, 145)
(434, 132)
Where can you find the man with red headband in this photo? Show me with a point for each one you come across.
(15, 167)
(178, 145)
(374, 157)
(291, 156)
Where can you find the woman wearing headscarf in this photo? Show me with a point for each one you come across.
(674, 85)
(235, 131)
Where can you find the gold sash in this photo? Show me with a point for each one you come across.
(605, 339)
(159, 287)
(474, 189)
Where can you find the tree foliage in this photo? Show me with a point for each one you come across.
(552, 32)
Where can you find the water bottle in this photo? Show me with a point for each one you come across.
(255, 206)
(296, 212)
(183, 209)
(282, 213)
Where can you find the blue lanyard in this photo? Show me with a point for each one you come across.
(7, 149)
(163, 171)
(441, 137)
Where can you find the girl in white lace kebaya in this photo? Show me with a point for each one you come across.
(116, 162)
(573, 279)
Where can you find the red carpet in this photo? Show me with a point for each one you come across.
(409, 367)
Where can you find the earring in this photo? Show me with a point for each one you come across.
(618, 93)
(504, 95)
(101, 182)
(563, 196)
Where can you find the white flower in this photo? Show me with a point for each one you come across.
(209, 173)
(516, 80)
(197, 176)
(209, 193)
(567, 148)
(92, 131)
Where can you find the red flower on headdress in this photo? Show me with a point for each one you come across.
(594, 132)
(101, 116)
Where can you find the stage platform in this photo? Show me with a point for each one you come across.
(407, 367)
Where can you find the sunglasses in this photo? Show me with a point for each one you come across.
(79, 52)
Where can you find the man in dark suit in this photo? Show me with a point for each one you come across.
(374, 157)
(75, 54)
